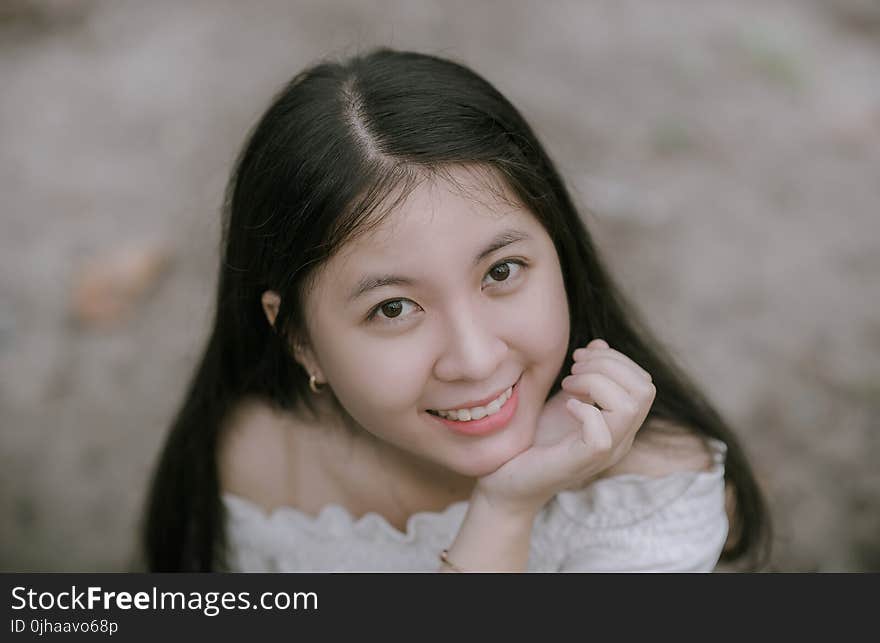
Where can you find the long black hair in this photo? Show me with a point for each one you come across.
(334, 143)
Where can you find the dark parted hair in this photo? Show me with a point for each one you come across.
(332, 146)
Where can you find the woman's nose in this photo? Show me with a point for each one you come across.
(472, 350)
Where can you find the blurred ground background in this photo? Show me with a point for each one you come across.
(728, 153)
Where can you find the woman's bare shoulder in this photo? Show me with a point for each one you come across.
(252, 458)
(663, 448)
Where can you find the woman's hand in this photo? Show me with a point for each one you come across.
(575, 440)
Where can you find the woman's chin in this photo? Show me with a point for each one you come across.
(478, 465)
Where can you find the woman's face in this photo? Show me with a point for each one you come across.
(457, 326)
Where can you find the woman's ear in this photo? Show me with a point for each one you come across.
(302, 352)
(271, 303)
(305, 356)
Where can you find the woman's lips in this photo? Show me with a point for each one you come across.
(485, 401)
(488, 424)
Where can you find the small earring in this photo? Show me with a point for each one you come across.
(313, 385)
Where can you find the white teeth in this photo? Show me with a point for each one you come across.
(478, 412)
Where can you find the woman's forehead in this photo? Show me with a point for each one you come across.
(443, 209)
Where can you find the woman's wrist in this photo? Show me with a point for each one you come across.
(494, 537)
(520, 509)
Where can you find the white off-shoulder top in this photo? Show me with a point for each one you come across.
(625, 523)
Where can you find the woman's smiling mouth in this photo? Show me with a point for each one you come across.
(482, 420)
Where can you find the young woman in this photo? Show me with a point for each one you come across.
(418, 361)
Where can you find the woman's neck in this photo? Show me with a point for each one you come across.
(368, 474)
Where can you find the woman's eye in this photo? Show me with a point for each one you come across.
(500, 272)
(392, 311)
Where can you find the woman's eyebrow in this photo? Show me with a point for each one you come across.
(371, 282)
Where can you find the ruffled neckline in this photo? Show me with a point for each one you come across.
(605, 502)
(334, 519)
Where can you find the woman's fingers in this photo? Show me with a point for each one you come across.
(618, 371)
(595, 350)
(594, 438)
(607, 393)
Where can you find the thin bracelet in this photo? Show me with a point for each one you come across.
(444, 558)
